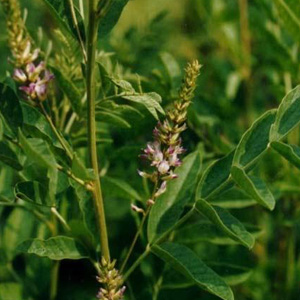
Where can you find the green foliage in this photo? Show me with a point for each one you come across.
(56, 248)
(186, 262)
(238, 130)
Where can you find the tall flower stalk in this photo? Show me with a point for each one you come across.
(164, 151)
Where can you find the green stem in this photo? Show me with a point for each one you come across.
(54, 280)
(148, 248)
(75, 23)
(136, 263)
(135, 239)
(91, 95)
(55, 131)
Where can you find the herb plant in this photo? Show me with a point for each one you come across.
(84, 196)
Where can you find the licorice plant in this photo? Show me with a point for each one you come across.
(59, 105)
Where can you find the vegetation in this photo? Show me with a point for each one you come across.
(149, 149)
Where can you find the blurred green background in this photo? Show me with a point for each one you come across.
(250, 56)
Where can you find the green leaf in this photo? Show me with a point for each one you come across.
(110, 19)
(124, 85)
(33, 192)
(232, 274)
(215, 177)
(56, 248)
(61, 13)
(79, 169)
(203, 231)
(105, 80)
(226, 222)
(172, 67)
(150, 101)
(289, 152)
(288, 115)
(86, 206)
(34, 120)
(9, 157)
(38, 151)
(189, 264)
(117, 187)
(70, 89)
(17, 227)
(232, 198)
(11, 290)
(111, 118)
(254, 186)
(255, 140)
(287, 10)
(10, 108)
(169, 206)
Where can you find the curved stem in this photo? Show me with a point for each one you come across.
(136, 263)
(135, 239)
(75, 23)
(58, 135)
(91, 95)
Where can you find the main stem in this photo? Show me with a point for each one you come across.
(91, 94)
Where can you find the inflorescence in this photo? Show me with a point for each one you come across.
(33, 77)
(111, 280)
(164, 151)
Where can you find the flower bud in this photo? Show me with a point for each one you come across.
(19, 76)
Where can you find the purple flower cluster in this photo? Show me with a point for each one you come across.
(163, 153)
(34, 78)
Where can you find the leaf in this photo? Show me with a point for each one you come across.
(9, 157)
(232, 274)
(232, 198)
(169, 206)
(10, 108)
(203, 231)
(79, 169)
(172, 67)
(86, 206)
(288, 115)
(150, 101)
(11, 290)
(70, 89)
(290, 18)
(289, 152)
(254, 186)
(105, 80)
(56, 248)
(33, 192)
(111, 118)
(38, 151)
(226, 222)
(215, 176)
(110, 19)
(189, 264)
(61, 13)
(34, 120)
(117, 187)
(123, 85)
(255, 140)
